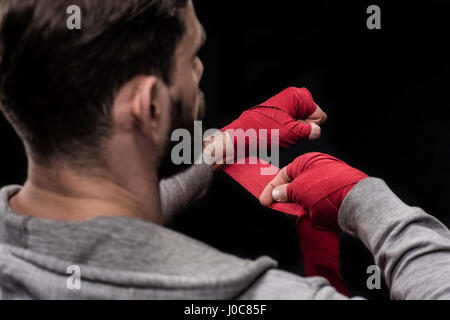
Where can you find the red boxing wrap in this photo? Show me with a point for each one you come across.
(320, 184)
(319, 248)
(280, 112)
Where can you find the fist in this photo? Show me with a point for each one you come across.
(293, 112)
(316, 181)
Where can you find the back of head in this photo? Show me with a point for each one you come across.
(57, 84)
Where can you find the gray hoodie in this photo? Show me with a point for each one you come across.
(125, 258)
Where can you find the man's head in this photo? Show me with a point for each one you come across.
(130, 75)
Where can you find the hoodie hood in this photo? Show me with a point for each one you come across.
(117, 258)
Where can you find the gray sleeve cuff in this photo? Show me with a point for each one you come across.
(368, 206)
(411, 247)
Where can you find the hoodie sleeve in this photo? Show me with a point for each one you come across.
(181, 190)
(277, 284)
(411, 247)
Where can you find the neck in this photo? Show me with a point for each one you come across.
(66, 194)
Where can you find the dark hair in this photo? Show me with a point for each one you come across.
(57, 85)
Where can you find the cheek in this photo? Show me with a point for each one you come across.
(192, 100)
(189, 92)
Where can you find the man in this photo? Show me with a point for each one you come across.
(95, 108)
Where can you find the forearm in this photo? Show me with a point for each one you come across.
(411, 247)
(179, 191)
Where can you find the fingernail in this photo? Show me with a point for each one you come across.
(276, 194)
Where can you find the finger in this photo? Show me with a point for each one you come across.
(302, 129)
(316, 132)
(298, 190)
(318, 117)
(305, 105)
(305, 162)
(280, 194)
(281, 179)
(307, 131)
(297, 102)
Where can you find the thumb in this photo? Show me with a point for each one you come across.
(306, 130)
(315, 132)
(280, 194)
(281, 179)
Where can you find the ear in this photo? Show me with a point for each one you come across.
(144, 105)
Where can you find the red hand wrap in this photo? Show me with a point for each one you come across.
(280, 112)
(320, 184)
(319, 248)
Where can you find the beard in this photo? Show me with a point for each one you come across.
(179, 120)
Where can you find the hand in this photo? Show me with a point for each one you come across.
(293, 112)
(318, 182)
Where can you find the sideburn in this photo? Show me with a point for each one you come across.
(178, 121)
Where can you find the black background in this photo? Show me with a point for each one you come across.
(385, 92)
